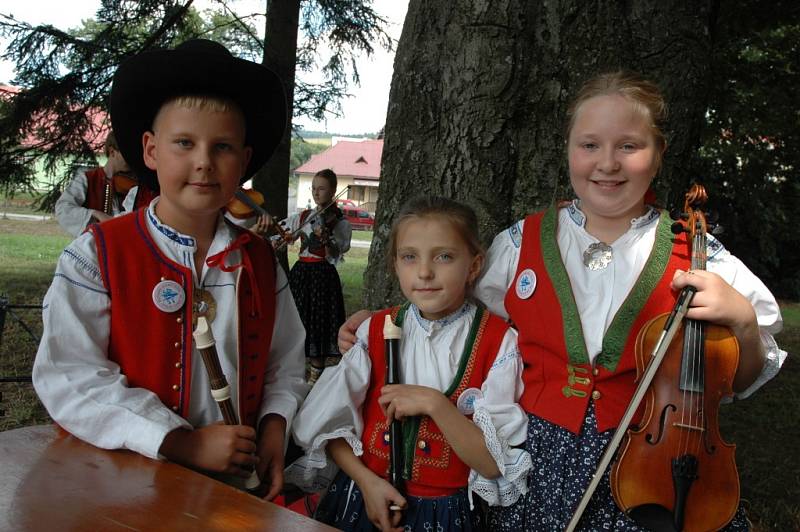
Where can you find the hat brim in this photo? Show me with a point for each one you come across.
(144, 82)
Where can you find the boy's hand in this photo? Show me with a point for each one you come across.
(716, 301)
(400, 400)
(218, 448)
(378, 496)
(347, 332)
(270, 454)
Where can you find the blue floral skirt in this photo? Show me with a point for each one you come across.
(343, 507)
(563, 465)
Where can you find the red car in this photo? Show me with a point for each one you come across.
(360, 220)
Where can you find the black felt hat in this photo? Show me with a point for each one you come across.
(145, 81)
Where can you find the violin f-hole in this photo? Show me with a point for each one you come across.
(661, 424)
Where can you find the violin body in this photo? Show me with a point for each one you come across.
(677, 459)
(241, 210)
(123, 183)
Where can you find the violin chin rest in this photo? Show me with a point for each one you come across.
(653, 517)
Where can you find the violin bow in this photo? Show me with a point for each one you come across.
(659, 350)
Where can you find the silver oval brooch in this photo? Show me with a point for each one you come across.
(597, 256)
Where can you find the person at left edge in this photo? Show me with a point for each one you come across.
(83, 200)
(116, 365)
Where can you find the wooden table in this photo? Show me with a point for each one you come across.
(50, 480)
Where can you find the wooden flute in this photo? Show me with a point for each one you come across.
(391, 336)
(220, 389)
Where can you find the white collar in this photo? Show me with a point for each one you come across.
(577, 216)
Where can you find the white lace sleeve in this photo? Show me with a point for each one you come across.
(768, 313)
(504, 426)
(332, 410)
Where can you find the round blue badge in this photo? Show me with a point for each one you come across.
(526, 284)
(466, 401)
(168, 296)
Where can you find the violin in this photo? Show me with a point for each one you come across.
(247, 203)
(123, 182)
(675, 472)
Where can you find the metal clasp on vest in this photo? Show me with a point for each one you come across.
(573, 379)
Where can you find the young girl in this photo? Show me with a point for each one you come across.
(578, 281)
(314, 280)
(456, 360)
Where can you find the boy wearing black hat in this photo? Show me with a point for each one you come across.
(116, 365)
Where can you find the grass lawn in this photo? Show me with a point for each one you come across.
(764, 427)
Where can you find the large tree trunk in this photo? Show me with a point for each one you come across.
(480, 91)
(280, 54)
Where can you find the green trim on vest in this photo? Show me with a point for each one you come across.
(620, 328)
(411, 425)
(573, 331)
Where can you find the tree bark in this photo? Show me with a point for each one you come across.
(477, 107)
(280, 54)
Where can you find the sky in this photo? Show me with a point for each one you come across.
(364, 112)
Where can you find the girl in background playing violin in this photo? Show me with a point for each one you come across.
(324, 239)
(456, 360)
(576, 277)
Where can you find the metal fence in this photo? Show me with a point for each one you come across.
(18, 343)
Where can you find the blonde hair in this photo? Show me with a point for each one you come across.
(217, 104)
(645, 96)
(460, 216)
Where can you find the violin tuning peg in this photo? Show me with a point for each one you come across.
(717, 230)
(712, 217)
(675, 214)
(677, 228)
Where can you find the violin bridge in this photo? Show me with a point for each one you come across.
(688, 427)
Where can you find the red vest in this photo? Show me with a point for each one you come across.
(559, 380)
(154, 348)
(432, 468)
(96, 189)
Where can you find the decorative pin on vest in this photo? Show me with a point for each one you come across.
(597, 256)
(168, 296)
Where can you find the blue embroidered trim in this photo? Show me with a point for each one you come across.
(84, 263)
(575, 214)
(515, 233)
(443, 322)
(646, 219)
(81, 285)
(510, 355)
(169, 233)
(713, 247)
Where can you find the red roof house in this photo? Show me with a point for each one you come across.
(357, 164)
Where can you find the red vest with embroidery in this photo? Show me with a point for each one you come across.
(432, 468)
(559, 380)
(154, 348)
(96, 189)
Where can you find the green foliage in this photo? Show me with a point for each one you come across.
(302, 151)
(751, 146)
(66, 75)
